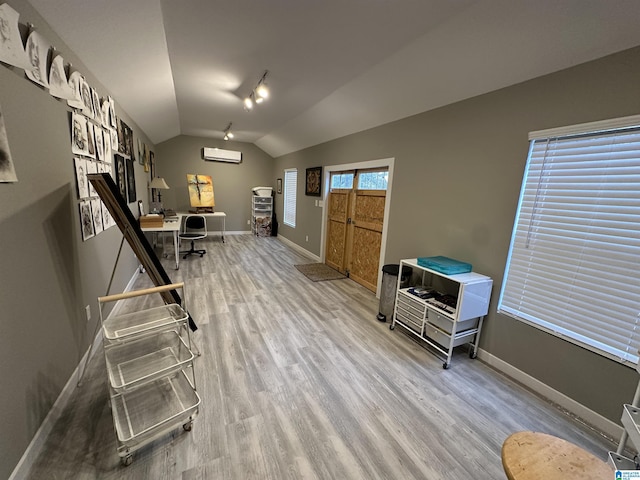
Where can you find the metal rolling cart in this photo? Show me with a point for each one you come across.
(149, 359)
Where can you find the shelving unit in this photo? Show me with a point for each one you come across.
(444, 326)
(261, 215)
(631, 424)
(149, 359)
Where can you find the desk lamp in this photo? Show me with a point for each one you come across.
(158, 183)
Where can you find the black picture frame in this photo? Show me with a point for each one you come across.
(313, 182)
(131, 181)
(279, 186)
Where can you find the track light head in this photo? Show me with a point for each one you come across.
(248, 102)
(227, 132)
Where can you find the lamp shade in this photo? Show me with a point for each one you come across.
(158, 182)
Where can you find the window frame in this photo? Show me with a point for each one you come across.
(290, 196)
(585, 194)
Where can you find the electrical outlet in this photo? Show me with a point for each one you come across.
(87, 310)
(248, 222)
(306, 238)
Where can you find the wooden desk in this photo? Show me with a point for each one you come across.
(536, 456)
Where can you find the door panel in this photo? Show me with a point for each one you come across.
(338, 203)
(368, 215)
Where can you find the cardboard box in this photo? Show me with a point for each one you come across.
(151, 221)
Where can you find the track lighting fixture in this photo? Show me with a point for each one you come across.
(259, 94)
(228, 134)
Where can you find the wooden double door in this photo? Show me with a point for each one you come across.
(354, 233)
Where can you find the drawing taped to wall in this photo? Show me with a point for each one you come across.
(99, 144)
(37, 52)
(96, 212)
(86, 220)
(75, 84)
(7, 171)
(79, 142)
(91, 140)
(11, 49)
(81, 177)
(92, 167)
(108, 153)
(58, 83)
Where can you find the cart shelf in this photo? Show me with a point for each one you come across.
(127, 326)
(155, 407)
(134, 363)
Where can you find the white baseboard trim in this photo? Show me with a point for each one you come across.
(37, 442)
(236, 232)
(297, 247)
(587, 415)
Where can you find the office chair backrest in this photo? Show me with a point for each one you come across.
(195, 225)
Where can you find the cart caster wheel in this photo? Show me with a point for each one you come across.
(126, 461)
(187, 426)
(392, 326)
(472, 354)
(445, 366)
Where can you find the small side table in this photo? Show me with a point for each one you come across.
(535, 456)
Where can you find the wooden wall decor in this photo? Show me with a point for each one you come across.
(128, 225)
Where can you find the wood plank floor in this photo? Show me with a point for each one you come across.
(300, 381)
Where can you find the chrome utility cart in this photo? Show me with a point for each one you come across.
(149, 359)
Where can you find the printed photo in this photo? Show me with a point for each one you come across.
(121, 176)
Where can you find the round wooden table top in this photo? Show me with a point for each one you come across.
(536, 456)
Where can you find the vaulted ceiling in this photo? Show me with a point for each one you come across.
(335, 66)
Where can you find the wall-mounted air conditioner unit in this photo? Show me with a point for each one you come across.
(220, 155)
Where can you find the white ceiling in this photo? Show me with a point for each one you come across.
(335, 66)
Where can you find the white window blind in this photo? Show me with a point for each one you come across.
(574, 262)
(290, 185)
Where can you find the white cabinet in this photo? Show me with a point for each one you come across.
(149, 361)
(444, 311)
(261, 215)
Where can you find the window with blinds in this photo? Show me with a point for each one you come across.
(573, 267)
(290, 185)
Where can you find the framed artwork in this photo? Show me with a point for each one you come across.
(279, 185)
(131, 182)
(200, 190)
(313, 181)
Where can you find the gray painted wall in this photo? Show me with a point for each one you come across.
(457, 177)
(458, 171)
(232, 183)
(48, 274)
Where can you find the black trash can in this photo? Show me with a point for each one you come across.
(388, 290)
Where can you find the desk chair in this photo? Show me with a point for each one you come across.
(194, 228)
